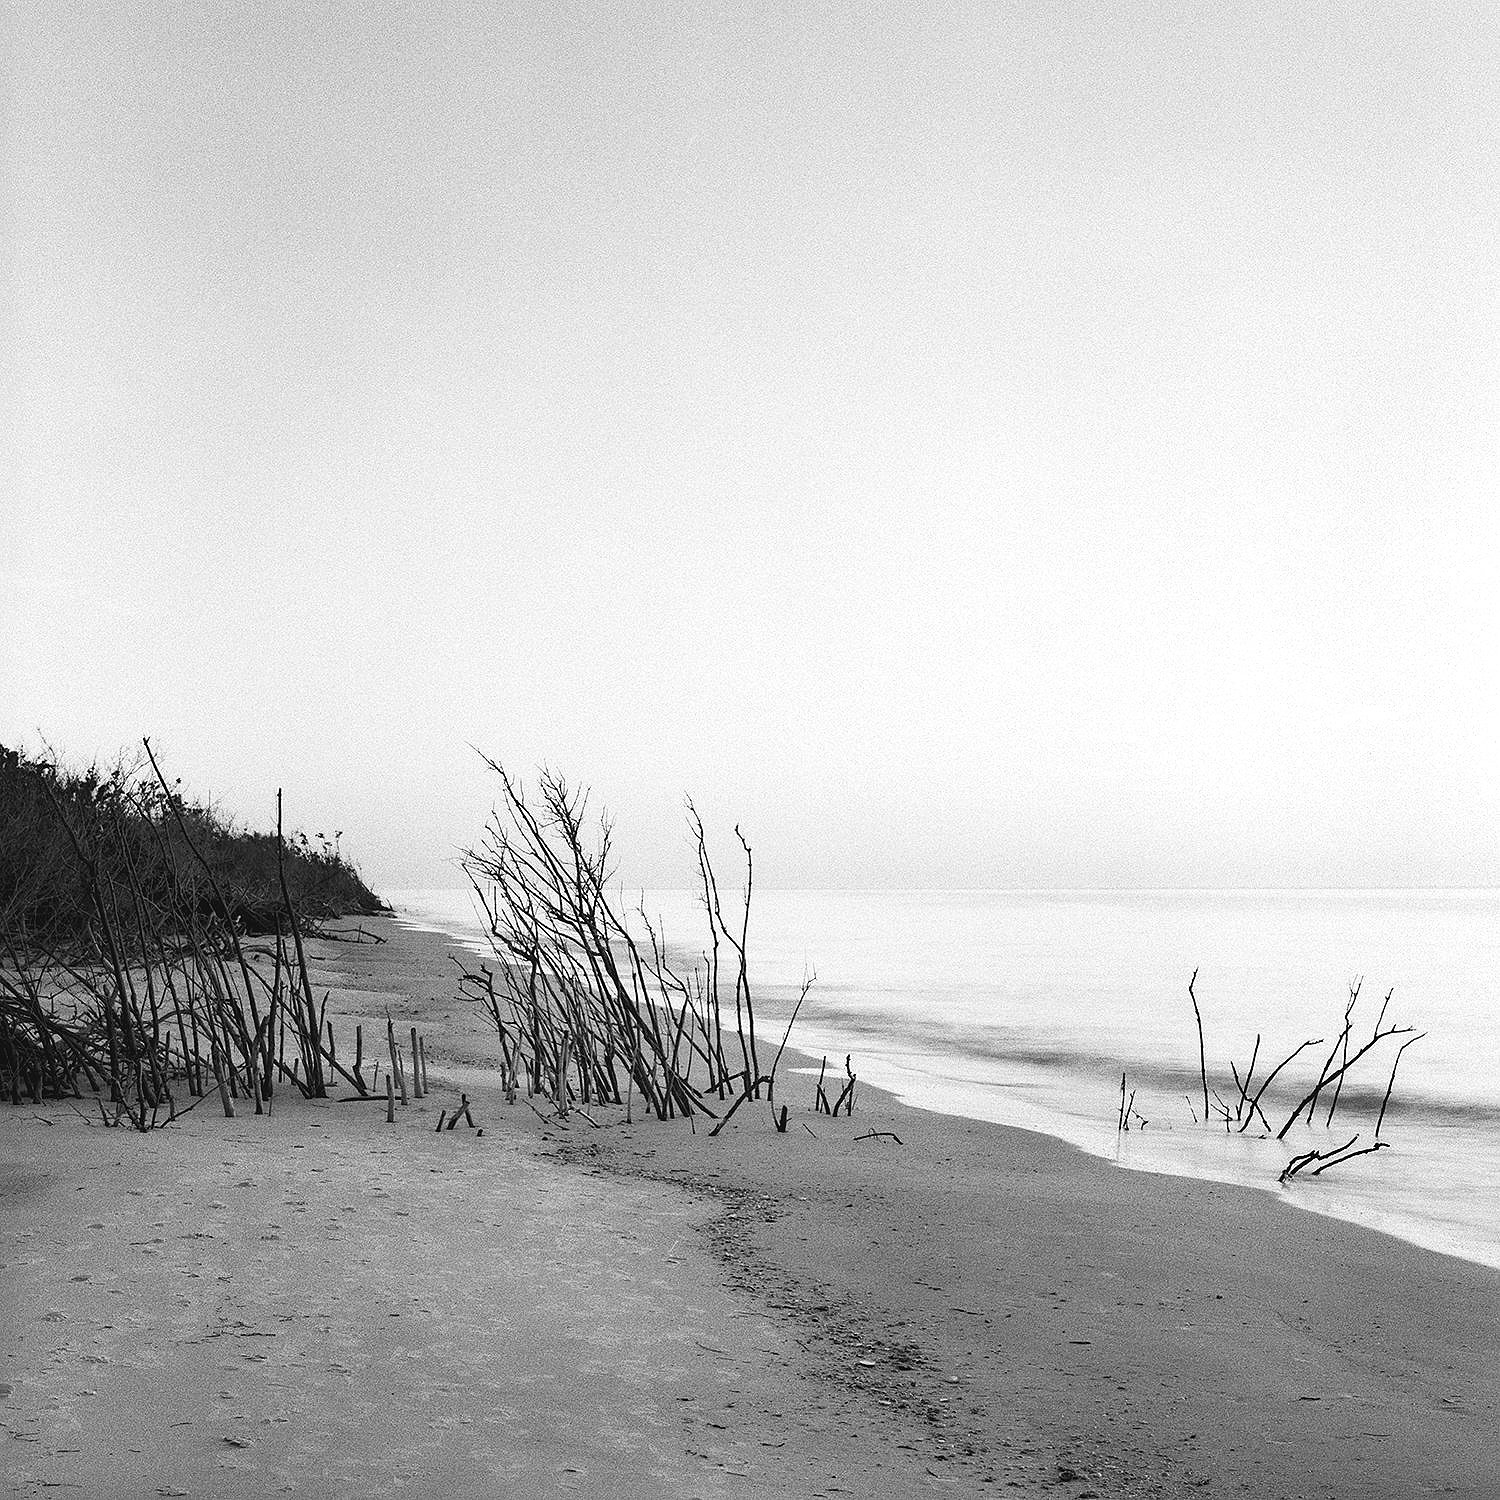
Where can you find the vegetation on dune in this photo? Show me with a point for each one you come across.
(132, 830)
(126, 965)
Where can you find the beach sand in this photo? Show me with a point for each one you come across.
(317, 1302)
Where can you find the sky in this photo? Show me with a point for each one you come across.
(969, 445)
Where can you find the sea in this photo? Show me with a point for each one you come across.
(1028, 1007)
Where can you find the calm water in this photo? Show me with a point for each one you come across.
(1025, 1007)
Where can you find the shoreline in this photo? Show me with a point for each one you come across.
(1153, 1335)
(1392, 1196)
(1229, 1161)
(976, 1307)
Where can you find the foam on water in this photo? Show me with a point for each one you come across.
(1025, 1007)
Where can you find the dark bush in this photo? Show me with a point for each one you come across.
(71, 839)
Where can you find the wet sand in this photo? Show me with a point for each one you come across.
(321, 1303)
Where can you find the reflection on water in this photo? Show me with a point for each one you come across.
(1025, 1007)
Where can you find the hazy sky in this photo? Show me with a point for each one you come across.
(1003, 444)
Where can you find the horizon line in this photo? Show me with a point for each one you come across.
(1071, 890)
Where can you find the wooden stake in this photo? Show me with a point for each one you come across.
(224, 1098)
(390, 1043)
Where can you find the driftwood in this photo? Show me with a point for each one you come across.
(1245, 1107)
(1391, 1082)
(591, 1008)
(1326, 1159)
(1255, 1108)
(1202, 1054)
(845, 1099)
(1309, 1100)
(1128, 1111)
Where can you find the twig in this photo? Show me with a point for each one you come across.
(1395, 1063)
(1202, 1054)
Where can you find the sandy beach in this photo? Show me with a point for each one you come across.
(317, 1302)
